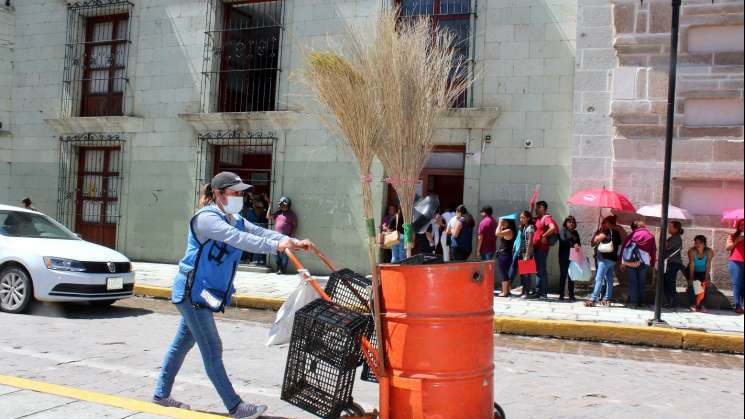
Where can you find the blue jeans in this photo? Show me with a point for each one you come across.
(637, 283)
(736, 271)
(604, 275)
(282, 261)
(197, 326)
(398, 253)
(487, 256)
(541, 262)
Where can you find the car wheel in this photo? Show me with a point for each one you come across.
(101, 303)
(16, 290)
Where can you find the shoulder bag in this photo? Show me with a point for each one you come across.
(392, 238)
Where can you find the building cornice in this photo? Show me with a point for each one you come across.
(80, 125)
(469, 118)
(244, 121)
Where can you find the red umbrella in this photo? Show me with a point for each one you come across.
(602, 198)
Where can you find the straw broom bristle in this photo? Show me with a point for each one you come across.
(414, 72)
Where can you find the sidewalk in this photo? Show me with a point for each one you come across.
(22, 398)
(273, 286)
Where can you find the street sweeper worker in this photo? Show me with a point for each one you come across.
(217, 237)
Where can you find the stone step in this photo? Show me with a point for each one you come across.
(247, 267)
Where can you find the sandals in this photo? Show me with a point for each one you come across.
(590, 303)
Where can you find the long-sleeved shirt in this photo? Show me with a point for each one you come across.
(211, 226)
(646, 243)
(674, 249)
(567, 239)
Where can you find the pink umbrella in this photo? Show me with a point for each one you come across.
(602, 198)
(733, 215)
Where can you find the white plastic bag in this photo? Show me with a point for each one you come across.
(282, 327)
(580, 272)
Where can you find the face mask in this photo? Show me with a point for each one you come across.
(234, 205)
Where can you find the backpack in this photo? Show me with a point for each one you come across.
(631, 256)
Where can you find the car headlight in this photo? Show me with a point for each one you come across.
(60, 264)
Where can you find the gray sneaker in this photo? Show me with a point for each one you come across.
(169, 402)
(248, 411)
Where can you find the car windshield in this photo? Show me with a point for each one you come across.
(32, 225)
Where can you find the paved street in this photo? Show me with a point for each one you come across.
(118, 351)
(280, 286)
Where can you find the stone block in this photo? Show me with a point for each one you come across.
(596, 15)
(640, 131)
(596, 80)
(658, 81)
(624, 17)
(728, 150)
(729, 58)
(693, 151)
(624, 83)
(596, 102)
(595, 146)
(642, 22)
(660, 18)
(598, 58)
(594, 37)
(532, 32)
(619, 107)
(710, 132)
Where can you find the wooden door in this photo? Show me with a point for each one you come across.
(97, 208)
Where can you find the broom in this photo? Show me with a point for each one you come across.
(340, 85)
(417, 83)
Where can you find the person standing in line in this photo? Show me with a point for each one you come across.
(204, 285)
(638, 253)
(256, 215)
(27, 204)
(546, 234)
(736, 260)
(461, 242)
(606, 240)
(398, 252)
(285, 222)
(700, 257)
(486, 243)
(673, 262)
(524, 251)
(568, 240)
(448, 218)
(387, 217)
(505, 235)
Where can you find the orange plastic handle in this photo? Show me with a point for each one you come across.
(307, 276)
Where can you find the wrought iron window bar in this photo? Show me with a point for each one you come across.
(96, 53)
(241, 66)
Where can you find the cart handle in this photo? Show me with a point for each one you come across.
(306, 275)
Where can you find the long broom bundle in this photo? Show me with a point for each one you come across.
(413, 67)
(341, 84)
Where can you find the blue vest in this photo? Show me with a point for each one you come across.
(209, 268)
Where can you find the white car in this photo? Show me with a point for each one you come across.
(40, 258)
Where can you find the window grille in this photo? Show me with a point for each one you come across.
(247, 154)
(241, 55)
(89, 185)
(96, 52)
(455, 17)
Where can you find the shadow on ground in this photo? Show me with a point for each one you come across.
(85, 311)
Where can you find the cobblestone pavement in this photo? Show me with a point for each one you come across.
(19, 403)
(280, 286)
(119, 351)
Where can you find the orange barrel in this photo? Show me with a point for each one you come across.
(438, 330)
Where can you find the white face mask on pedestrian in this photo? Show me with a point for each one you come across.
(234, 205)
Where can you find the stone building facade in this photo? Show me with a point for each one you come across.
(168, 106)
(621, 103)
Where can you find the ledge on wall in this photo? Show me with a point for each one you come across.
(247, 121)
(81, 125)
(476, 118)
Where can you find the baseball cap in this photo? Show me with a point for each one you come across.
(230, 181)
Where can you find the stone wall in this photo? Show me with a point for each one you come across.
(7, 41)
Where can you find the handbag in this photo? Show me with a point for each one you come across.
(664, 269)
(526, 267)
(607, 247)
(392, 238)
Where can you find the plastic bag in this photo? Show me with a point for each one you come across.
(282, 328)
(580, 272)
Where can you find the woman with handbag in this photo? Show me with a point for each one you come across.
(506, 234)
(523, 253)
(673, 262)
(218, 236)
(607, 240)
(461, 242)
(568, 240)
(393, 238)
(638, 253)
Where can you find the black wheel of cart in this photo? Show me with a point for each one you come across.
(354, 410)
(499, 412)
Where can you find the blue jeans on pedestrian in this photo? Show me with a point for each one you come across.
(604, 275)
(398, 253)
(637, 283)
(487, 256)
(282, 261)
(197, 326)
(541, 262)
(736, 271)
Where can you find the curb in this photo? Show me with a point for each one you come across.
(564, 329)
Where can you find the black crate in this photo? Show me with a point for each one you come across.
(323, 357)
(349, 289)
(367, 374)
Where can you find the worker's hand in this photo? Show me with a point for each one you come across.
(305, 244)
(286, 244)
